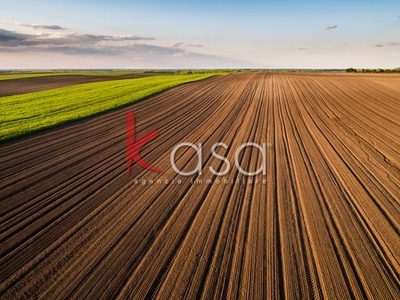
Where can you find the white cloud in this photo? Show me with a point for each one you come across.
(194, 45)
(103, 48)
(390, 44)
(332, 26)
(50, 42)
(41, 26)
(176, 45)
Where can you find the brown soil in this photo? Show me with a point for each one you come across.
(325, 225)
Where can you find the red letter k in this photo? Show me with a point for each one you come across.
(134, 146)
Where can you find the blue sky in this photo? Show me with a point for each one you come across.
(199, 34)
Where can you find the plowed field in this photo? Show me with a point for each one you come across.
(323, 222)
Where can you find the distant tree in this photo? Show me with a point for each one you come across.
(379, 70)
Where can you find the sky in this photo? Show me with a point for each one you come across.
(159, 34)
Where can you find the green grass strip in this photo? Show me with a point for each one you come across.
(28, 113)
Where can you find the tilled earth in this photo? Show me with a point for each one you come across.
(323, 222)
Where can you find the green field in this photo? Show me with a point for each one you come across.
(19, 75)
(9, 76)
(27, 113)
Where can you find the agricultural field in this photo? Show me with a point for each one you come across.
(29, 112)
(10, 75)
(322, 222)
(23, 85)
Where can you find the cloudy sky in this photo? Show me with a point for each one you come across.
(199, 34)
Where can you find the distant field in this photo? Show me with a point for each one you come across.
(33, 75)
(24, 75)
(20, 86)
(26, 113)
(105, 73)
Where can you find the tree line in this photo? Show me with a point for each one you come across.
(353, 70)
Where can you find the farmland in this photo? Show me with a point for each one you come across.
(26, 113)
(10, 75)
(17, 86)
(324, 224)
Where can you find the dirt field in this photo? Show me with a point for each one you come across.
(35, 84)
(325, 224)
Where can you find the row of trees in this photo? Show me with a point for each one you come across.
(352, 70)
